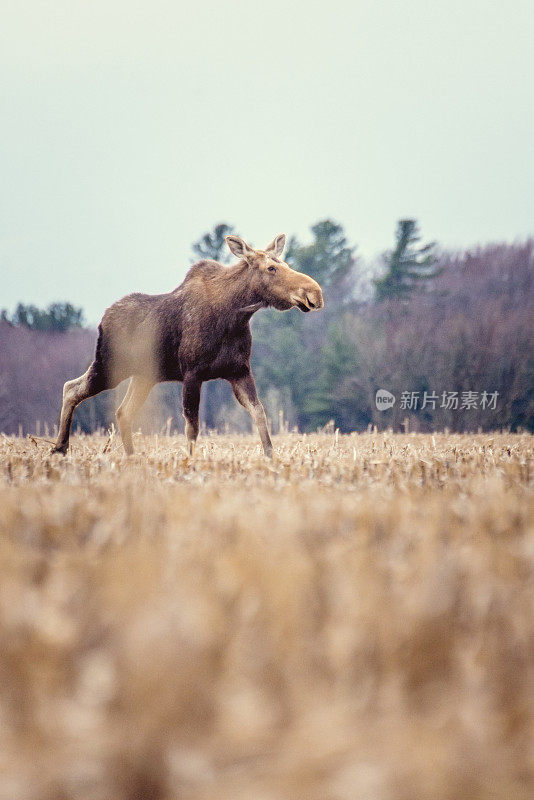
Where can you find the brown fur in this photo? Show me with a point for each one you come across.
(198, 332)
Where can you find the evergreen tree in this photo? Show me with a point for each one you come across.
(337, 392)
(408, 265)
(212, 244)
(328, 258)
(287, 347)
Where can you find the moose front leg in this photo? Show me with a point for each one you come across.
(190, 403)
(245, 392)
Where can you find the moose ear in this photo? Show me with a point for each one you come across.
(238, 246)
(277, 245)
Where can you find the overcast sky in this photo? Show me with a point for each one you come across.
(130, 128)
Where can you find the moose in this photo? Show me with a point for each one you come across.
(196, 333)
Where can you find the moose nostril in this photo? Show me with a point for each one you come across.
(310, 302)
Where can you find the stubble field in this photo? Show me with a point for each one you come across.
(353, 620)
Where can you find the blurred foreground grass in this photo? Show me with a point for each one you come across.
(353, 620)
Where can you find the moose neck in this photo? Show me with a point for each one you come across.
(234, 292)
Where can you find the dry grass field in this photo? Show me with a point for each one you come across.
(352, 621)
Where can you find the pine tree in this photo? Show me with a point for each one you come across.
(287, 347)
(212, 244)
(328, 258)
(408, 266)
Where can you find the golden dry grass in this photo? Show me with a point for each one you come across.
(352, 621)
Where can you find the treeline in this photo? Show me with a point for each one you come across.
(57, 317)
(449, 335)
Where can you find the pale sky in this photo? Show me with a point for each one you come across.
(130, 128)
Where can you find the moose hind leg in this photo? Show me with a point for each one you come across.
(245, 393)
(75, 392)
(134, 398)
(190, 403)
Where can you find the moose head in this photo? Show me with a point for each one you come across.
(273, 281)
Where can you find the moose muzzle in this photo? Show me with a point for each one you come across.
(309, 297)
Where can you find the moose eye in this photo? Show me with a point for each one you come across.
(271, 269)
